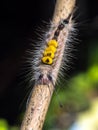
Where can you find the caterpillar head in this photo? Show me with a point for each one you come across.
(45, 76)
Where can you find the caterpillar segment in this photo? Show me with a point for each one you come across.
(53, 43)
(49, 53)
(51, 48)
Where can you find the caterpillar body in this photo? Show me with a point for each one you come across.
(48, 56)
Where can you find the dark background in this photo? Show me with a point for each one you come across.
(18, 20)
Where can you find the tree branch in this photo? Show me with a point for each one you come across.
(41, 94)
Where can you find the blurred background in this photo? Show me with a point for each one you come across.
(75, 104)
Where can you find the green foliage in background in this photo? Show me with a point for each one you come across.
(5, 126)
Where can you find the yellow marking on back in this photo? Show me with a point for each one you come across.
(47, 60)
(53, 43)
(49, 53)
(51, 48)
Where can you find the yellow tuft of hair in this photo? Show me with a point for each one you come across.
(47, 60)
(51, 48)
(49, 53)
(53, 43)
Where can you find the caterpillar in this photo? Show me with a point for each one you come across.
(48, 57)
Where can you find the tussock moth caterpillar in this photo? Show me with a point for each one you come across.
(48, 57)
